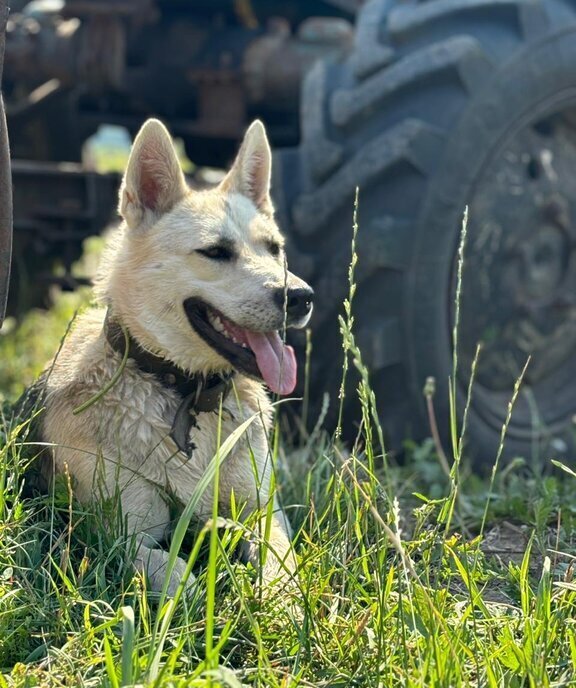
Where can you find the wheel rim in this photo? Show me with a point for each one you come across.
(519, 286)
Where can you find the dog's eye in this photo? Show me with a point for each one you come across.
(274, 248)
(218, 252)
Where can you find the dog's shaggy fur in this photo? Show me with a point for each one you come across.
(223, 247)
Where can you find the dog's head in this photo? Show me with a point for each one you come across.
(200, 277)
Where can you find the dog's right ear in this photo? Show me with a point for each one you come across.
(153, 182)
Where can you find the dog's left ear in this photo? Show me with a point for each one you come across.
(251, 171)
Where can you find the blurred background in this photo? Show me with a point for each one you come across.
(428, 106)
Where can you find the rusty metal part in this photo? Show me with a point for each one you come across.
(37, 51)
(5, 184)
(126, 8)
(46, 193)
(275, 63)
(206, 67)
(238, 71)
(57, 206)
(347, 5)
(37, 98)
(91, 52)
(102, 52)
(211, 76)
(245, 13)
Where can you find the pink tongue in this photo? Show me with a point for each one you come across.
(275, 359)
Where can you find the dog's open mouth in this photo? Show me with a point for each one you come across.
(259, 354)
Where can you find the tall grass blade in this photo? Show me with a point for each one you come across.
(127, 645)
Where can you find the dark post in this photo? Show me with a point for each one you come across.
(5, 182)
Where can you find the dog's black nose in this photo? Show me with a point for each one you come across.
(298, 302)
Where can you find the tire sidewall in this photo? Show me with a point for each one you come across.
(541, 73)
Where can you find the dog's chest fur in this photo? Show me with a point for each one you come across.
(126, 433)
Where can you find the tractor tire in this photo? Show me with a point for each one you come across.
(444, 104)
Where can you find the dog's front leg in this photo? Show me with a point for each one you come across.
(143, 514)
(148, 518)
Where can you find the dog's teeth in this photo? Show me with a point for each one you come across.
(217, 323)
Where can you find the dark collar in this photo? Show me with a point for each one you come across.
(199, 393)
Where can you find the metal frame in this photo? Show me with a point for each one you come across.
(5, 183)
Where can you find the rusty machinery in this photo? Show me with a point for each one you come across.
(207, 68)
(427, 105)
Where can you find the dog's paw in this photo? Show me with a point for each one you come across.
(153, 563)
(277, 574)
(277, 585)
(176, 577)
(282, 598)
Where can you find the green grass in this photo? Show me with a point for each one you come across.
(414, 575)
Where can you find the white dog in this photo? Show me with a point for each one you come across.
(195, 292)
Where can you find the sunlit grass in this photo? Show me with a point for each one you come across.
(414, 575)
